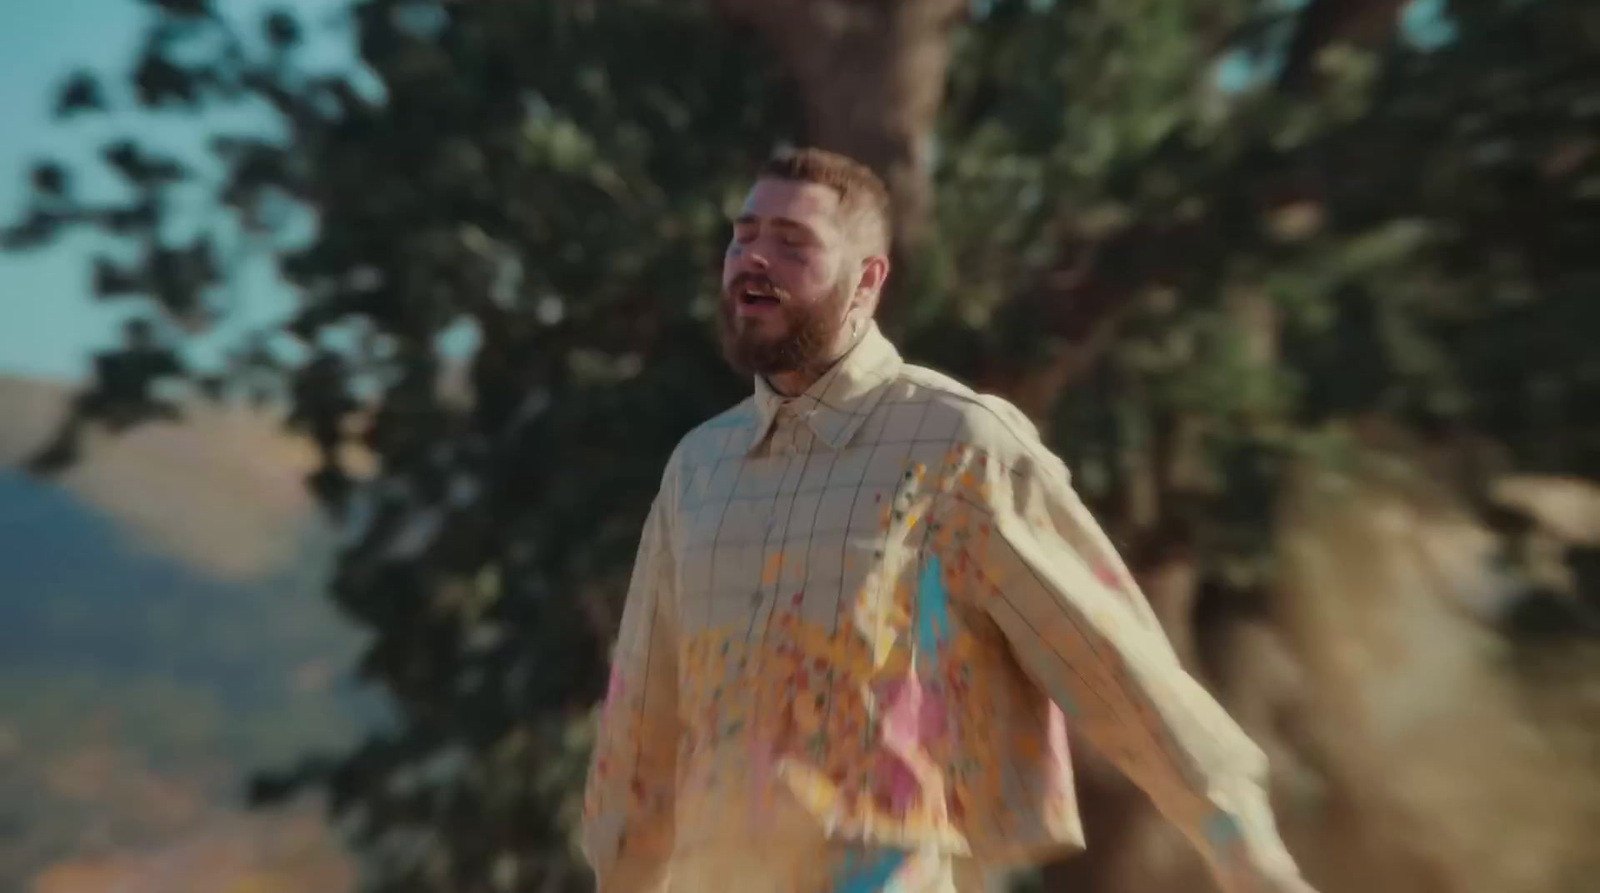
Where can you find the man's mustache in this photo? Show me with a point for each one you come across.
(756, 282)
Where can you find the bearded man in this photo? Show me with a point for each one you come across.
(866, 609)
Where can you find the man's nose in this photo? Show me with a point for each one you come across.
(754, 259)
(752, 256)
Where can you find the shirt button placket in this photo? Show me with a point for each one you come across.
(783, 430)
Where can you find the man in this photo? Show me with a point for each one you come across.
(863, 601)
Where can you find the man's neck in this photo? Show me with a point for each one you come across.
(797, 382)
(793, 384)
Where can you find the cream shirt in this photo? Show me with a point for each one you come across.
(883, 601)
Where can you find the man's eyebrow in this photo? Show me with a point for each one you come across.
(748, 219)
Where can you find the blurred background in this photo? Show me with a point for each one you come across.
(342, 343)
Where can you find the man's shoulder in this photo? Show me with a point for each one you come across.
(711, 438)
(986, 421)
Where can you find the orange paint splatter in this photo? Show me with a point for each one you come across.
(773, 568)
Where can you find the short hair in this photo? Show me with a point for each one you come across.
(862, 194)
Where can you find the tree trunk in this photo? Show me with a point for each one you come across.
(1326, 22)
(871, 76)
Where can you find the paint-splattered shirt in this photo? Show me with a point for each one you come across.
(883, 599)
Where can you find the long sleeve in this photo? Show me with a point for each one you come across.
(1078, 625)
(627, 829)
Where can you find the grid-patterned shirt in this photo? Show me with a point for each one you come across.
(883, 600)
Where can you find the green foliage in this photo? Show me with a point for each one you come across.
(1207, 282)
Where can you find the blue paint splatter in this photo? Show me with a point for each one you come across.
(1223, 834)
(933, 608)
(871, 878)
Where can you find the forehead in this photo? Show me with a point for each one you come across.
(812, 204)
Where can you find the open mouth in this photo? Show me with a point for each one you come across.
(758, 296)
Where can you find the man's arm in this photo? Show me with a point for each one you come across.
(627, 828)
(1079, 626)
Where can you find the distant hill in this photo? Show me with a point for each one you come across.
(162, 633)
(222, 492)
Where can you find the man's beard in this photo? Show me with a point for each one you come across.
(804, 344)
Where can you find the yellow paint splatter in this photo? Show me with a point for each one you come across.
(773, 569)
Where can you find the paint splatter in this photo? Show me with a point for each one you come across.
(872, 877)
(902, 720)
(933, 608)
(773, 569)
(1108, 577)
(1223, 834)
(898, 785)
(911, 716)
(763, 777)
(615, 687)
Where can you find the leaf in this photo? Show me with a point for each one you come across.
(112, 281)
(124, 156)
(213, 387)
(81, 93)
(140, 168)
(61, 453)
(184, 8)
(179, 277)
(141, 217)
(159, 83)
(35, 231)
(50, 179)
(281, 29)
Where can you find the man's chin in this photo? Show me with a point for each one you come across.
(758, 356)
(746, 362)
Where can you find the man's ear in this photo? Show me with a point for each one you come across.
(874, 275)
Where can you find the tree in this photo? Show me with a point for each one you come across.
(1192, 289)
(870, 75)
(493, 174)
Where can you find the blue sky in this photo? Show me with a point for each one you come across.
(46, 317)
(49, 321)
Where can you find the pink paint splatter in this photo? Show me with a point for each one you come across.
(897, 784)
(763, 776)
(1060, 752)
(912, 713)
(903, 712)
(911, 716)
(615, 687)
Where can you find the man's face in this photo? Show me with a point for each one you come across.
(788, 280)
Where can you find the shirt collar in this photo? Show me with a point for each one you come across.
(840, 401)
